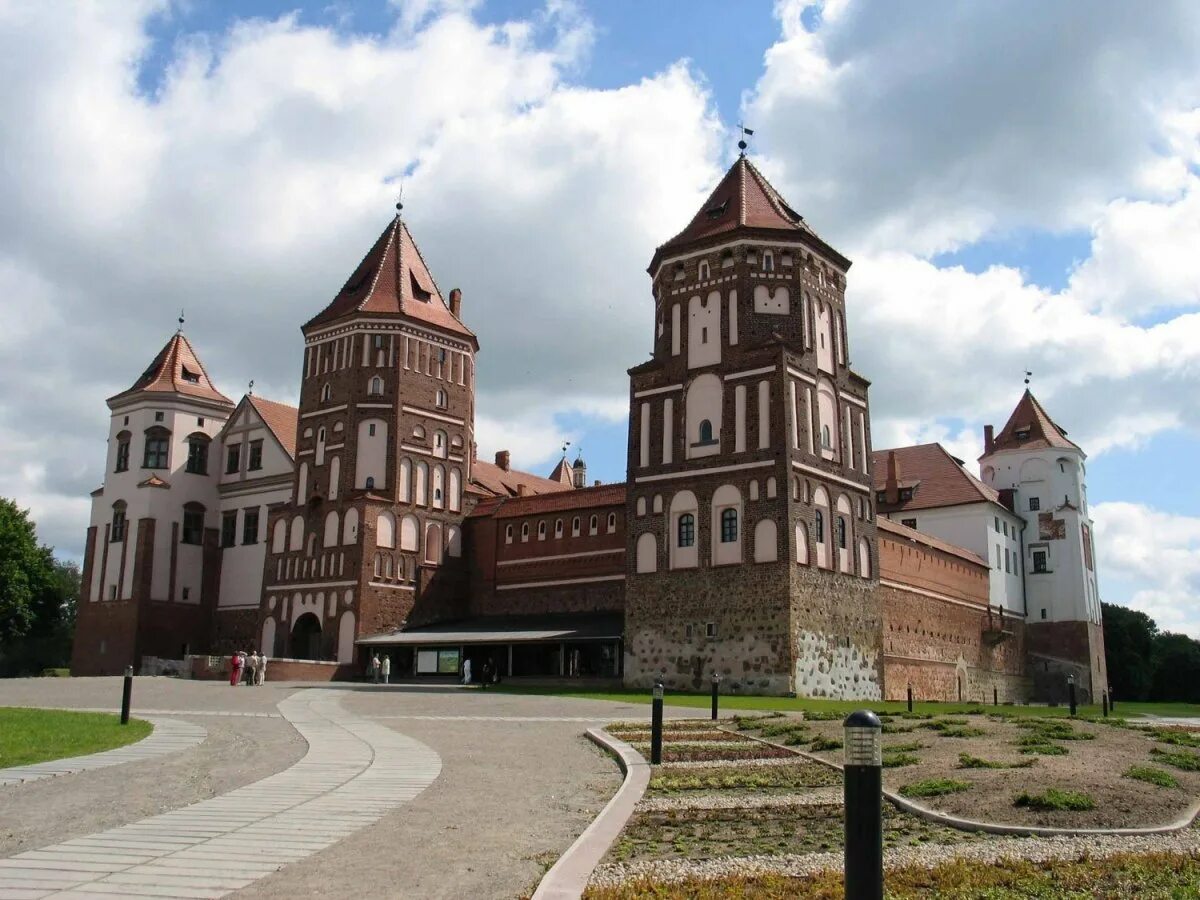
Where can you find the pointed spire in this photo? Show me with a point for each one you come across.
(176, 370)
(1030, 428)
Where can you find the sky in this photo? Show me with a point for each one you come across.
(1017, 184)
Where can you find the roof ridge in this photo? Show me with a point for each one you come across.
(424, 265)
(379, 269)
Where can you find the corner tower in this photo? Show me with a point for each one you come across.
(751, 541)
(373, 538)
(1033, 462)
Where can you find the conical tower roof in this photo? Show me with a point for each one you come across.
(745, 200)
(175, 370)
(393, 279)
(1031, 428)
(563, 473)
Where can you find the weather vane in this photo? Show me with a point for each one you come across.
(180, 331)
(1028, 375)
(400, 199)
(565, 445)
(250, 389)
(746, 132)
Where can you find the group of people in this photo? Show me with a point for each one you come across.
(381, 670)
(253, 668)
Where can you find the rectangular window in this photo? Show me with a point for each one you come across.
(1007, 562)
(197, 461)
(997, 520)
(371, 429)
(997, 556)
(117, 532)
(1040, 561)
(156, 452)
(254, 463)
(1035, 503)
(1004, 525)
(250, 526)
(228, 528)
(158, 417)
(710, 629)
(909, 523)
(687, 631)
(193, 526)
(233, 458)
(122, 456)
(1043, 612)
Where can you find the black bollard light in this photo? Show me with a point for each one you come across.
(1112, 700)
(1104, 700)
(995, 696)
(126, 695)
(716, 681)
(863, 800)
(910, 696)
(656, 713)
(1071, 692)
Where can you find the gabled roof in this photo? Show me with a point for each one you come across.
(937, 478)
(563, 473)
(281, 419)
(492, 480)
(1037, 429)
(558, 501)
(393, 279)
(745, 199)
(175, 370)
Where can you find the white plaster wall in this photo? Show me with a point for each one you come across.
(647, 553)
(772, 303)
(704, 330)
(739, 418)
(682, 503)
(727, 496)
(764, 415)
(703, 401)
(242, 564)
(372, 454)
(827, 415)
(824, 337)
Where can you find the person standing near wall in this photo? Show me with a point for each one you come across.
(253, 663)
(375, 669)
(385, 667)
(466, 673)
(262, 669)
(235, 669)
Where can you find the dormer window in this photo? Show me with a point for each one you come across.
(703, 272)
(1022, 433)
(717, 210)
(189, 376)
(679, 272)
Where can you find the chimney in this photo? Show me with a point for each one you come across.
(502, 459)
(522, 490)
(892, 488)
(456, 303)
(596, 483)
(989, 439)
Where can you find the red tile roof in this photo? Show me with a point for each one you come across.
(559, 501)
(393, 279)
(743, 199)
(491, 479)
(563, 473)
(281, 419)
(937, 478)
(1043, 433)
(176, 370)
(920, 537)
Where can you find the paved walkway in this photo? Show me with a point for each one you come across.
(168, 736)
(355, 771)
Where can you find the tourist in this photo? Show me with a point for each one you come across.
(495, 671)
(262, 668)
(386, 667)
(235, 669)
(252, 678)
(466, 671)
(486, 672)
(375, 668)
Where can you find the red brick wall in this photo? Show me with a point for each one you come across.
(105, 637)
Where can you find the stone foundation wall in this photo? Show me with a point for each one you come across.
(1061, 649)
(601, 596)
(836, 649)
(747, 604)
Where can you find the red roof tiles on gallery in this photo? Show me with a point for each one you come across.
(920, 537)
(1030, 428)
(393, 279)
(559, 501)
(176, 370)
(936, 478)
(489, 478)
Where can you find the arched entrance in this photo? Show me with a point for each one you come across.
(306, 637)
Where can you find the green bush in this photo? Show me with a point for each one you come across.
(818, 715)
(910, 747)
(56, 673)
(1152, 775)
(1056, 730)
(961, 732)
(824, 743)
(1043, 749)
(1181, 759)
(1054, 799)
(934, 787)
(896, 760)
(1176, 736)
(967, 761)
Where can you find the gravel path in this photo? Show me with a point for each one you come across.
(814, 797)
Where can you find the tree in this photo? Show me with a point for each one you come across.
(1176, 669)
(1129, 639)
(37, 598)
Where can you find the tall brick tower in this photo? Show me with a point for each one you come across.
(383, 453)
(751, 538)
(1042, 474)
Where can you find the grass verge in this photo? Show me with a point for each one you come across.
(1054, 799)
(30, 736)
(967, 761)
(934, 787)
(1181, 759)
(1151, 775)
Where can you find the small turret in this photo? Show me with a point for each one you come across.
(580, 471)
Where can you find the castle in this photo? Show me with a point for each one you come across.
(757, 535)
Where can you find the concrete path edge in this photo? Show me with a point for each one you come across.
(941, 818)
(568, 878)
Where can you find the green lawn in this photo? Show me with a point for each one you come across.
(799, 704)
(37, 735)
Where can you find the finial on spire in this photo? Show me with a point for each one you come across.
(746, 132)
(250, 388)
(400, 201)
(1028, 375)
(180, 329)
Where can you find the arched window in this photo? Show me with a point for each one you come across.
(729, 526)
(331, 529)
(326, 392)
(524, 531)
(439, 444)
(370, 485)
(409, 532)
(575, 527)
(440, 400)
(826, 438)
(647, 553)
(157, 445)
(687, 530)
(297, 536)
(455, 490)
(438, 481)
(819, 526)
(350, 526)
(706, 432)
(378, 565)
(841, 533)
(766, 541)
(612, 522)
(542, 530)
(433, 543)
(376, 386)
(117, 532)
(641, 506)
(122, 463)
(279, 536)
(702, 270)
(558, 528)
(594, 525)
(508, 534)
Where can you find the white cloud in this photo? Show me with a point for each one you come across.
(1158, 554)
